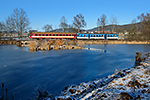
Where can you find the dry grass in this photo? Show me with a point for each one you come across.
(72, 42)
(147, 72)
(80, 43)
(32, 44)
(59, 42)
(44, 44)
(50, 42)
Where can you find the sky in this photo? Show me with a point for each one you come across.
(42, 12)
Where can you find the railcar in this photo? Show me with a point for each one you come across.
(83, 36)
(112, 36)
(51, 35)
(97, 36)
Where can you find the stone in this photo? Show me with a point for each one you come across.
(138, 58)
(125, 96)
(72, 91)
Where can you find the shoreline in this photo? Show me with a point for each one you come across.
(18, 42)
(114, 42)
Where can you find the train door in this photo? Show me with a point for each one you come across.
(105, 36)
(88, 36)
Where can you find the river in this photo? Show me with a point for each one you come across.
(22, 71)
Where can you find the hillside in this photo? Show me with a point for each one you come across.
(117, 27)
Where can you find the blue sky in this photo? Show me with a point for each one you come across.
(41, 12)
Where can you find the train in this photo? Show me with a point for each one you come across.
(83, 36)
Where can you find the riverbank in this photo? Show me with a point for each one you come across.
(18, 42)
(113, 42)
(130, 83)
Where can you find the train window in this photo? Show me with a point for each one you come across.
(39, 34)
(46, 34)
(53, 34)
(91, 35)
(97, 35)
(42, 34)
(114, 36)
(49, 34)
(69, 34)
(35, 34)
(84, 35)
(66, 34)
(94, 35)
(81, 35)
(56, 34)
(102, 35)
(108, 35)
(63, 34)
(111, 35)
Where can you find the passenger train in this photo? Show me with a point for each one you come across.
(60, 35)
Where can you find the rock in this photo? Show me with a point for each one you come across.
(72, 91)
(94, 83)
(18, 43)
(68, 47)
(121, 74)
(133, 84)
(65, 94)
(143, 58)
(41, 48)
(138, 58)
(14, 42)
(104, 95)
(33, 49)
(56, 47)
(79, 90)
(78, 47)
(125, 96)
(49, 47)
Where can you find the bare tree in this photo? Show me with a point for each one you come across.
(145, 23)
(21, 20)
(10, 25)
(120, 29)
(133, 29)
(98, 24)
(103, 21)
(47, 27)
(113, 21)
(63, 23)
(79, 21)
(71, 28)
(2, 27)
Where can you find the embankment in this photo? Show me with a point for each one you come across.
(3, 42)
(113, 42)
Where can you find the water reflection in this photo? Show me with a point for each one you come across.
(98, 50)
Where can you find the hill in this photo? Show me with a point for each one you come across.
(117, 27)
